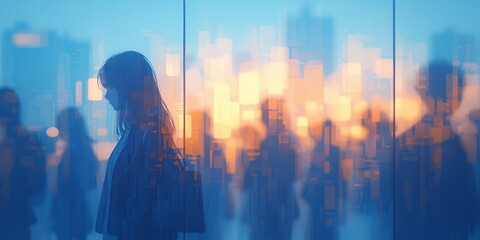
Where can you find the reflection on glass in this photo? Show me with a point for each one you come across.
(289, 115)
(76, 176)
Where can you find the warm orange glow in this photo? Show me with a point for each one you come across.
(221, 94)
(103, 150)
(249, 88)
(231, 157)
(346, 166)
(172, 67)
(302, 126)
(352, 77)
(408, 112)
(29, 39)
(359, 107)
(221, 131)
(330, 93)
(408, 108)
(311, 106)
(341, 109)
(52, 132)
(384, 68)
(248, 115)
(311, 87)
(358, 132)
(439, 134)
(214, 69)
(94, 92)
(234, 120)
(313, 72)
(188, 126)
(223, 119)
(276, 76)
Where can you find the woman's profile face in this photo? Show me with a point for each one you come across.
(112, 96)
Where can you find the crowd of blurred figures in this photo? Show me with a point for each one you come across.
(420, 184)
(23, 174)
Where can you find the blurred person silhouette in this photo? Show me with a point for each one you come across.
(218, 202)
(250, 140)
(376, 171)
(381, 133)
(272, 206)
(434, 183)
(22, 170)
(206, 153)
(145, 156)
(321, 187)
(474, 117)
(76, 176)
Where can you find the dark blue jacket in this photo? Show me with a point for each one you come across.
(134, 171)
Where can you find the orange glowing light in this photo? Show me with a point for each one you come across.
(341, 109)
(172, 63)
(358, 132)
(330, 93)
(313, 72)
(221, 94)
(52, 132)
(234, 120)
(276, 76)
(352, 77)
(302, 126)
(221, 111)
(94, 92)
(231, 157)
(29, 39)
(248, 115)
(103, 150)
(249, 88)
(346, 166)
(384, 68)
(221, 131)
(359, 107)
(188, 126)
(408, 112)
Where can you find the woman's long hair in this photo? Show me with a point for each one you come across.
(140, 102)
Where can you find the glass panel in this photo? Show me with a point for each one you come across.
(51, 54)
(288, 132)
(290, 108)
(437, 169)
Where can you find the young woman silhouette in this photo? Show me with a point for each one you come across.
(139, 162)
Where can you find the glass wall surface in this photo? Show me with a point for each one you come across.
(51, 55)
(292, 119)
(436, 171)
(289, 117)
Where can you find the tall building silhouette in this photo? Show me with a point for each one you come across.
(310, 38)
(453, 46)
